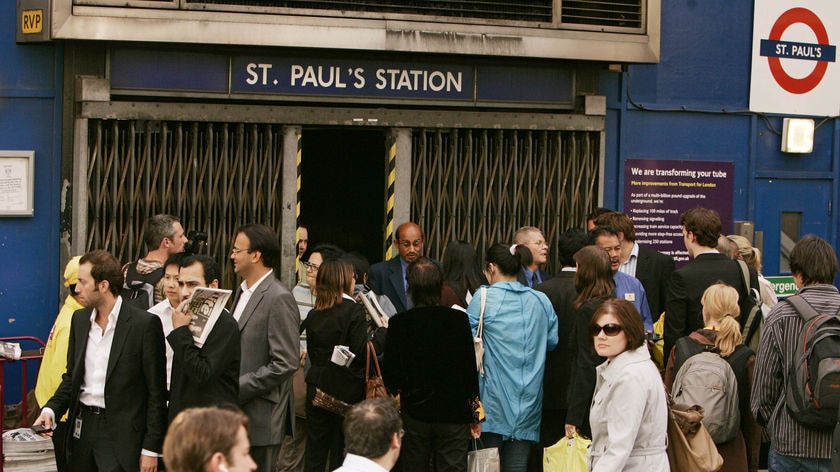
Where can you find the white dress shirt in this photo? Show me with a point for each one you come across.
(96, 358)
(354, 463)
(163, 310)
(245, 295)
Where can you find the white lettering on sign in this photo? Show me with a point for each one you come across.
(418, 80)
(254, 76)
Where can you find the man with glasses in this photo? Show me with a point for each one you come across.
(627, 287)
(388, 277)
(269, 324)
(533, 238)
(206, 375)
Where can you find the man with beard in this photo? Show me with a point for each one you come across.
(388, 277)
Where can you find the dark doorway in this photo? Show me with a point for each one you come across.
(342, 190)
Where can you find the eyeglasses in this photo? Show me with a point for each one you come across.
(237, 251)
(310, 266)
(610, 329)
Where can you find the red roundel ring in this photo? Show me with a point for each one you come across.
(792, 84)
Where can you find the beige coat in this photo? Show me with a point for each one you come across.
(629, 416)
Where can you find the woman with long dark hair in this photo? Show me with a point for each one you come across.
(461, 274)
(594, 284)
(336, 320)
(519, 326)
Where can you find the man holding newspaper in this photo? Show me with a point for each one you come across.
(205, 340)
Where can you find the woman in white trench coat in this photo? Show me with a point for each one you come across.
(629, 414)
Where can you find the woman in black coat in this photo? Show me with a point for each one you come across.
(335, 320)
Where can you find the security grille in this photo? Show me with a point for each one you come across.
(597, 13)
(480, 186)
(511, 10)
(606, 13)
(475, 185)
(214, 176)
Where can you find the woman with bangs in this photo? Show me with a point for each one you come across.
(629, 415)
(335, 320)
(594, 283)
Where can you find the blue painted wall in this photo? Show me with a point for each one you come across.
(694, 105)
(30, 114)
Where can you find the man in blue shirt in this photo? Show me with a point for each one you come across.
(626, 286)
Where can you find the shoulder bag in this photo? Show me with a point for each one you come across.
(478, 342)
(374, 386)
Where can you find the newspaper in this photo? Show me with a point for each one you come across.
(205, 306)
(10, 350)
(373, 309)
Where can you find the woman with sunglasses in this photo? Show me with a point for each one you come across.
(629, 415)
(722, 333)
(594, 284)
(519, 326)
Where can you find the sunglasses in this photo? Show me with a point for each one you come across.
(610, 329)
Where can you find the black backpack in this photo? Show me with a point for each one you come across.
(139, 289)
(813, 387)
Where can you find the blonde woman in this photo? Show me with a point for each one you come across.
(722, 333)
(752, 256)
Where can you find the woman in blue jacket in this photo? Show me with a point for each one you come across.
(519, 327)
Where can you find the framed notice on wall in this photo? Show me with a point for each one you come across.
(17, 182)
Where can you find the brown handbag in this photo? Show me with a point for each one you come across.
(690, 447)
(374, 386)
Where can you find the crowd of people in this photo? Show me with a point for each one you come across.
(280, 382)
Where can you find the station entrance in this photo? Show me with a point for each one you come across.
(476, 184)
(342, 194)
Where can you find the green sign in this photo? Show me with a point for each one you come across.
(783, 285)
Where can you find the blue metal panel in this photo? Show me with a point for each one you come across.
(30, 91)
(694, 105)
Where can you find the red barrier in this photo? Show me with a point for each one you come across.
(26, 356)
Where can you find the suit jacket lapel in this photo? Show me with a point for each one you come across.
(82, 333)
(120, 335)
(255, 299)
(398, 281)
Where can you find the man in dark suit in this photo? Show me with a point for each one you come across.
(652, 268)
(683, 311)
(206, 375)
(269, 323)
(115, 383)
(388, 277)
(532, 238)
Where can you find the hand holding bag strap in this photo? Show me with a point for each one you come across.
(480, 331)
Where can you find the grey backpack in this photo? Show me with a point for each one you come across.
(706, 379)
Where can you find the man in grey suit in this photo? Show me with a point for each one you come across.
(269, 333)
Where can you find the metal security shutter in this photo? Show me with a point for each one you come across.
(481, 185)
(214, 176)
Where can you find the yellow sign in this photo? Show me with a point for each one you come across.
(32, 21)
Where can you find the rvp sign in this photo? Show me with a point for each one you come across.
(794, 67)
(32, 21)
